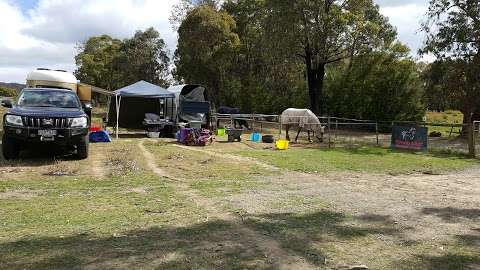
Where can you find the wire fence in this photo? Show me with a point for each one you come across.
(338, 131)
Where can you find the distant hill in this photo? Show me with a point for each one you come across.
(16, 86)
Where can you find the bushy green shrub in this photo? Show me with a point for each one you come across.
(7, 92)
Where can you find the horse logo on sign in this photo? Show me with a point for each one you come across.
(409, 134)
(409, 137)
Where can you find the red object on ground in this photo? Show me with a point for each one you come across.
(95, 128)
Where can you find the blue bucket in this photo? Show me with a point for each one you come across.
(255, 137)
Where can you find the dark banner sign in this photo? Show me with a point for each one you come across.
(409, 137)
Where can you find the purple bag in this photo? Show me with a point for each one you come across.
(184, 134)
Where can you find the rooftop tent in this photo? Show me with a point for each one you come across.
(191, 99)
(131, 103)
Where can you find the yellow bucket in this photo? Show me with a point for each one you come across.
(221, 132)
(281, 144)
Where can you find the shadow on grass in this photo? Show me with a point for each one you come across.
(210, 245)
(37, 156)
(451, 214)
(461, 255)
(216, 244)
(301, 234)
(449, 261)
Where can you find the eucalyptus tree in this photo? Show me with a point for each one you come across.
(206, 46)
(453, 36)
(97, 62)
(145, 57)
(321, 32)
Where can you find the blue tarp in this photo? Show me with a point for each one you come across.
(144, 89)
(99, 136)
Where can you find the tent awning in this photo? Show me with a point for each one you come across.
(144, 89)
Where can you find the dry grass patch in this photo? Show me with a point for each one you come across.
(122, 160)
(210, 174)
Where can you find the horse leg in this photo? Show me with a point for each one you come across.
(320, 139)
(309, 139)
(299, 130)
(287, 128)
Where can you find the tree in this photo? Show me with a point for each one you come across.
(266, 81)
(206, 46)
(453, 36)
(322, 32)
(183, 7)
(7, 92)
(145, 57)
(438, 86)
(97, 62)
(111, 63)
(382, 86)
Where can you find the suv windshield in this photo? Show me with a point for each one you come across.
(48, 98)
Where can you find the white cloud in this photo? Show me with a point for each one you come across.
(407, 19)
(46, 36)
(394, 3)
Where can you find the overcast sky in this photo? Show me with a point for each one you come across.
(44, 33)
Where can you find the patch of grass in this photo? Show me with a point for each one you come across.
(318, 236)
(71, 205)
(360, 159)
(212, 176)
(447, 117)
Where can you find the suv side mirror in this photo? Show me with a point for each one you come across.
(7, 103)
(87, 107)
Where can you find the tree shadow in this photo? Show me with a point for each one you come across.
(300, 233)
(210, 245)
(462, 253)
(451, 214)
(216, 244)
(449, 261)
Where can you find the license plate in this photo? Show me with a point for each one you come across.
(47, 133)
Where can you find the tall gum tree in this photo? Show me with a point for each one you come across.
(206, 47)
(322, 32)
(453, 36)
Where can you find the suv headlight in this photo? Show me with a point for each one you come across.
(14, 120)
(79, 122)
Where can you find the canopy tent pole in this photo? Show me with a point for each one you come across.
(160, 109)
(118, 100)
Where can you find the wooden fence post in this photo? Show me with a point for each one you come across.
(471, 140)
(280, 125)
(253, 121)
(329, 133)
(376, 132)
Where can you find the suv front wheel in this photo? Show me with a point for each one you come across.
(82, 148)
(10, 148)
